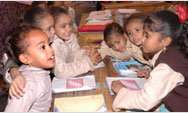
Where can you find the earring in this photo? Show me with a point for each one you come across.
(164, 49)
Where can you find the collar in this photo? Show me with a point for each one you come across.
(31, 68)
(56, 38)
(155, 57)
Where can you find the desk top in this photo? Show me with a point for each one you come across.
(100, 77)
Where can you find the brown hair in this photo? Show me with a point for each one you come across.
(57, 11)
(134, 16)
(18, 42)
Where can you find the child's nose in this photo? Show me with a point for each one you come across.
(50, 49)
(143, 39)
(53, 31)
(117, 47)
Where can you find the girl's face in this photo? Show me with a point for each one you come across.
(117, 42)
(135, 31)
(63, 27)
(39, 52)
(47, 26)
(151, 42)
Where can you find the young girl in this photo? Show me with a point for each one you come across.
(133, 27)
(168, 80)
(69, 6)
(33, 48)
(132, 49)
(116, 41)
(70, 59)
(38, 17)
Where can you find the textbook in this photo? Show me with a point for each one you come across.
(130, 83)
(92, 28)
(129, 69)
(91, 103)
(73, 84)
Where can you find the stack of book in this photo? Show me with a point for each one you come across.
(97, 21)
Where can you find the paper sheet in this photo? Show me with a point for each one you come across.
(73, 84)
(130, 83)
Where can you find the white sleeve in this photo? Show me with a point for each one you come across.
(23, 104)
(6, 75)
(161, 81)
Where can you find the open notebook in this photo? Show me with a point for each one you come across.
(130, 83)
(73, 84)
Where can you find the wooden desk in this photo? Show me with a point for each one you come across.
(100, 77)
(85, 38)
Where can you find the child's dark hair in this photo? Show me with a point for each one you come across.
(36, 3)
(111, 29)
(134, 16)
(183, 41)
(56, 11)
(168, 24)
(35, 15)
(50, 3)
(18, 43)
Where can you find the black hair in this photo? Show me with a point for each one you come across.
(132, 17)
(165, 22)
(35, 15)
(18, 42)
(183, 41)
(168, 24)
(50, 3)
(111, 29)
(36, 3)
(57, 11)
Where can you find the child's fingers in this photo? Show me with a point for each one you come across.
(13, 93)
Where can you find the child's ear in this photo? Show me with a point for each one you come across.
(24, 58)
(167, 41)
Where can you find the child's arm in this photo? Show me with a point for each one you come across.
(22, 104)
(110, 52)
(161, 81)
(18, 83)
(15, 79)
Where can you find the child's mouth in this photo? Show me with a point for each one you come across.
(52, 58)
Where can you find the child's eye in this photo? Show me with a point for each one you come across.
(137, 29)
(111, 46)
(118, 42)
(146, 35)
(42, 48)
(130, 33)
(63, 26)
(50, 44)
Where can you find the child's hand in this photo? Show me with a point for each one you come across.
(116, 86)
(17, 87)
(95, 56)
(86, 47)
(143, 73)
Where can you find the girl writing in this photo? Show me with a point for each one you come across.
(70, 61)
(32, 47)
(168, 80)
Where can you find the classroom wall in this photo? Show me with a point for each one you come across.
(9, 13)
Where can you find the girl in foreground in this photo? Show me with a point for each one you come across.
(167, 82)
